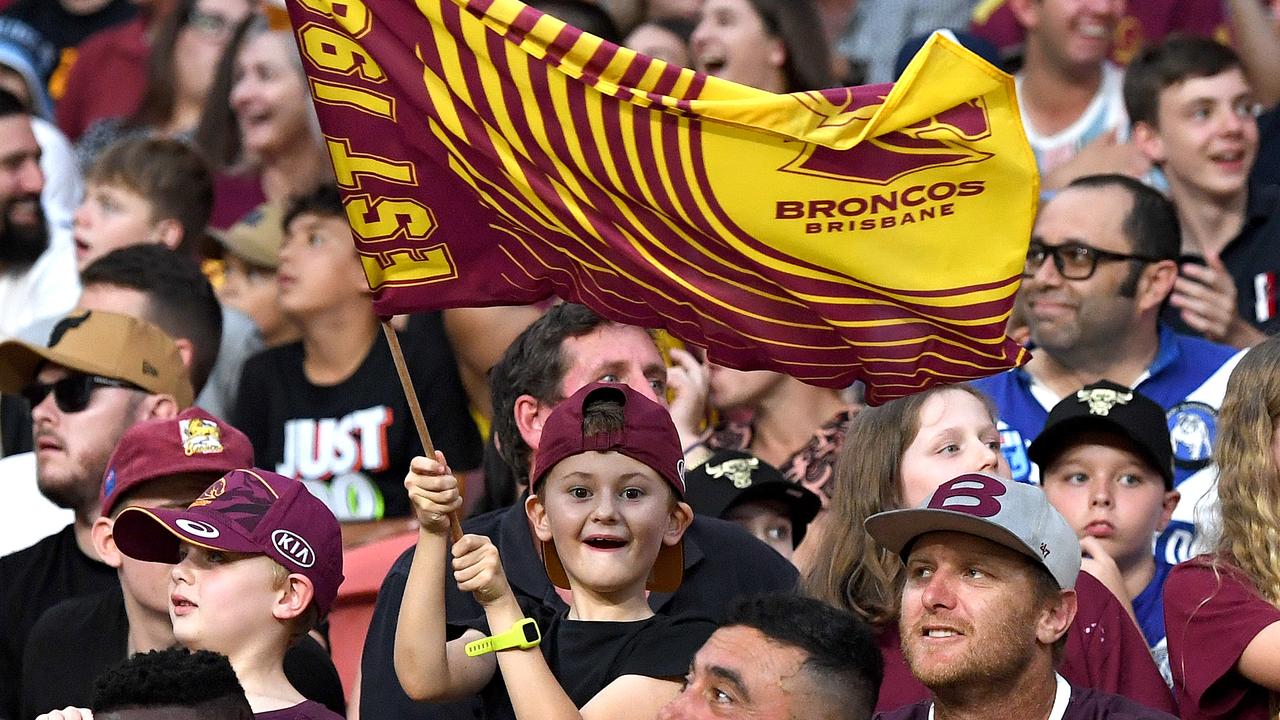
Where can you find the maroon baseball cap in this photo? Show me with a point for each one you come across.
(245, 511)
(647, 435)
(192, 442)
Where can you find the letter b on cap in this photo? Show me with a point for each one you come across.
(970, 494)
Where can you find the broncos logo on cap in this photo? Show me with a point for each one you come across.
(200, 436)
(211, 493)
(936, 141)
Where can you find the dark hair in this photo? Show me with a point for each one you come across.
(172, 177)
(180, 299)
(217, 134)
(842, 658)
(11, 104)
(678, 26)
(1151, 225)
(155, 109)
(585, 15)
(534, 364)
(601, 416)
(1169, 63)
(797, 24)
(324, 200)
(175, 677)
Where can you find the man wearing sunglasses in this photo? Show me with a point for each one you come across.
(101, 374)
(1101, 265)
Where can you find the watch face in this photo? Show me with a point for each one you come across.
(530, 632)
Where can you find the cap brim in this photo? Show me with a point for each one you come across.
(897, 529)
(802, 502)
(154, 534)
(1050, 442)
(668, 569)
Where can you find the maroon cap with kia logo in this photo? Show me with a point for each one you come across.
(245, 511)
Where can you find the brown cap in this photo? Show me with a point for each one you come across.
(106, 344)
(257, 236)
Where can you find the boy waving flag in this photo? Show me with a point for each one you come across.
(490, 154)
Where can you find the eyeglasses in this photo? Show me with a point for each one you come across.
(210, 24)
(72, 393)
(1074, 261)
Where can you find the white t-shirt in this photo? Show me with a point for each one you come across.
(1105, 112)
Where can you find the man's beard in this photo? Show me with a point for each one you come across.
(22, 244)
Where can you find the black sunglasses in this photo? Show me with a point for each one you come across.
(72, 393)
(1074, 261)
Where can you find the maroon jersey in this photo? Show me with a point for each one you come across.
(1211, 614)
(1143, 23)
(1084, 704)
(1105, 651)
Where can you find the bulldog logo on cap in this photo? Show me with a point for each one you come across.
(1101, 400)
(738, 471)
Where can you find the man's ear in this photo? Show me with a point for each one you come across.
(530, 415)
(104, 541)
(1156, 284)
(680, 520)
(1025, 12)
(537, 514)
(168, 232)
(293, 597)
(1147, 139)
(1056, 617)
(157, 407)
(1171, 498)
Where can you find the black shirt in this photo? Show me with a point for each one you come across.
(76, 640)
(722, 562)
(352, 442)
(32, 581)
(64, 29)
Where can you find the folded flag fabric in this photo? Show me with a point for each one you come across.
(489, 154)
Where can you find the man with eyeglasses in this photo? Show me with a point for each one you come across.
(1101, 265)
(101, 374)
(1195, 116)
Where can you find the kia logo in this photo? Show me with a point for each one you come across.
(293, 547)
(197, 528)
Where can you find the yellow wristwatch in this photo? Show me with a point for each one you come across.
(524, 635)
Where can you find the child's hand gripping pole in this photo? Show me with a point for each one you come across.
(406, 384)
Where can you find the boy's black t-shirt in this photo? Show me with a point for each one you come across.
(76, 640)
(585, 656)
(64, 29)
(32, 581)
(352, 442)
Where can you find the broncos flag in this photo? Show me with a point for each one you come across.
(489, 154)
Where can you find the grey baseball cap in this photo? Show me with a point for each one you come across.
(1005, 512)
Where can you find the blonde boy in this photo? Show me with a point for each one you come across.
(607, 505)
(258, 560)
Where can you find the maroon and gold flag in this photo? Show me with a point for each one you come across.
(491, 155)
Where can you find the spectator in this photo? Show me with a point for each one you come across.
(1222, 609)
(666, 39)
(163, 463)
(880, 27)
(772, 45)
(66, 23)
(321, 410)
(105, 372)
(903, 448)
(188, 43)
(175, 683)
(1102, 262)
(745, 490)
(152, 283)
(1108, 468)
(570, 346)
(606, 502)
(989, 594)
(1195, 117)
(1070, 95)
(251, 256)
(37, 269)
(24, 60)
(779, 657)
(257, 563)
(259, 128)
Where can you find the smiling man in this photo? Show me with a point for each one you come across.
(989, 594)
(1195, 116)
(1101, 264)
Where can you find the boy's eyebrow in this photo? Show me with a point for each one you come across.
(732, 677)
